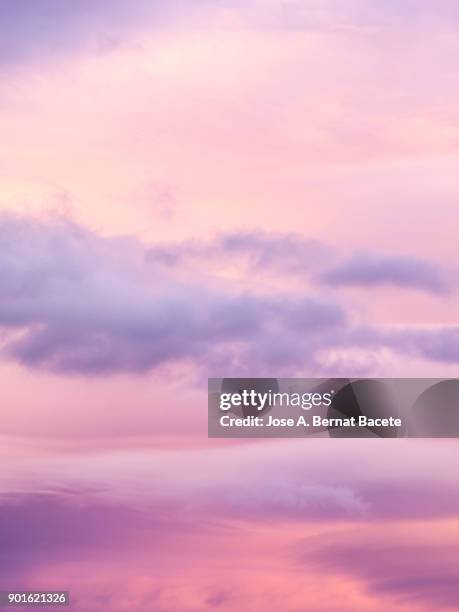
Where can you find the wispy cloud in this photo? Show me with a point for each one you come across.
(293, 255)
(369, 270)
(398, 563)
(284, 253)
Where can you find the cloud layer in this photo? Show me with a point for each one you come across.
(275, 156)
(75, 302)
(292, 255)
(272, 511)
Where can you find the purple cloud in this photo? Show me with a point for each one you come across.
(435, 343)
(367, 270)
(285, 253)
(72, 301)
(52, 27)
(440, 344)
(294, 255)
(400, 567)
(75, 302)
(36, 529)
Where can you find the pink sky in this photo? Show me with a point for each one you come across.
(210, 189)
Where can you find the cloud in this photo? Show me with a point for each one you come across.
(399, 562)
(91, 509)
(285, 253)
(75, 302)
(287, 499)
(36, 528)
(72, 301)
(434, 343)
(52, 28)
(282, 482)
(292, 255)
(367, 270)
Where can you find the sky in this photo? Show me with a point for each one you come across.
(205, 189)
